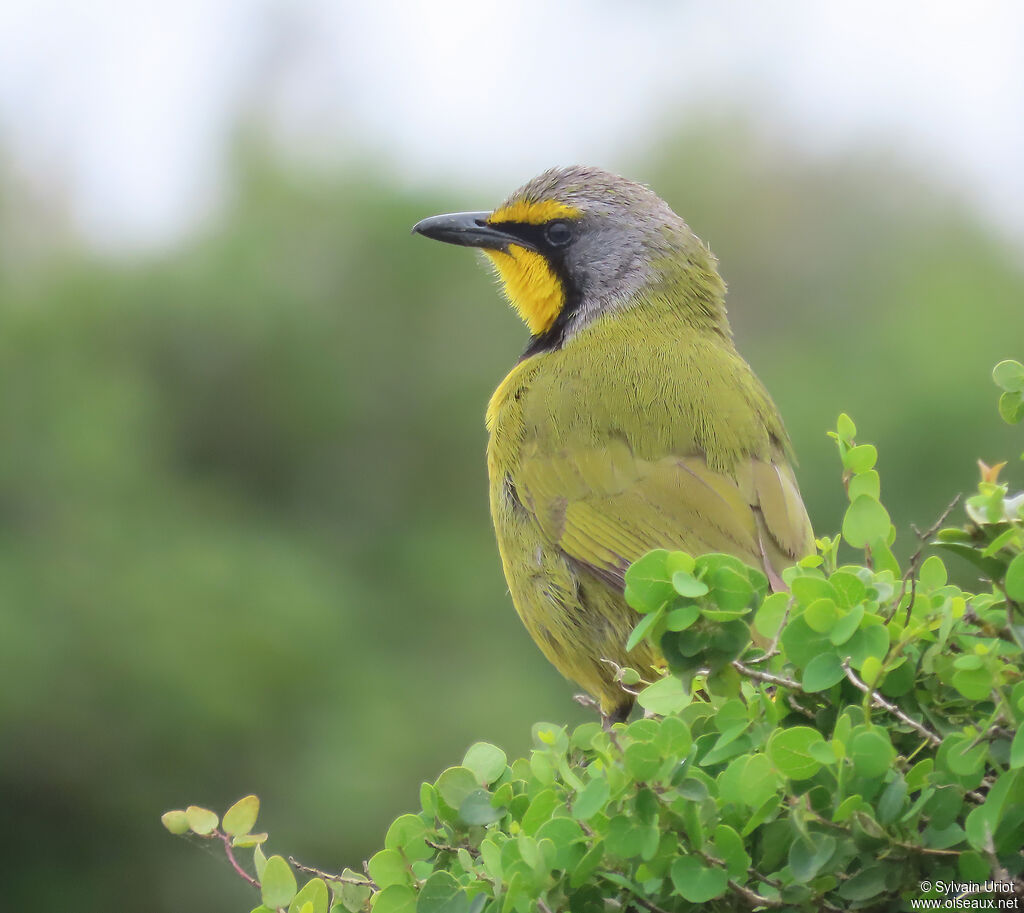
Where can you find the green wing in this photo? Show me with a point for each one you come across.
(605, 507)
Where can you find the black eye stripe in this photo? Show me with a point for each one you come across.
(539, 236)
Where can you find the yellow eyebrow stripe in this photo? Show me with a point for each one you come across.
(532, 213)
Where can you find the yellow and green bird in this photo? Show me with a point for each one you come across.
(630, 423)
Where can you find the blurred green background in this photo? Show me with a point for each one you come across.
(244, 537)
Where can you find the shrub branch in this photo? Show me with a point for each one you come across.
(880, 701)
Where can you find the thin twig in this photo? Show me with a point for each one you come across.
(543, 907)
(647, 905)
(910, 577)
(448, 848)
(766, 676)
(329, 876)
(799, 708)
(226, 840)
(773, 647)
(618, 677)
(752, 897)
(926, 850)
(880, 701)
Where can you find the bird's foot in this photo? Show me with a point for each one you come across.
(608, 720)
(585, 700)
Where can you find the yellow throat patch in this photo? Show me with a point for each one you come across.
(529, 283)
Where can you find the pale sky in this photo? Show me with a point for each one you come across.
(127, 105)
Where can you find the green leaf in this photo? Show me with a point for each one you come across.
(974, 684)
(405, 832)
(730, 586)
(666, 695)
(980, 827)
(476, 809)
(247, 840)
(486, 761)
(942, 838)
(623, 837)
(696, 882)
(865, 521)
(259, 861)
(314, 892)
(932, 575)
(868, 484)
(846, 626)
(441, 894)
(240, 818)
(847, 807)
(898, 681)
(201, 820)
(865, 884)
(808, 589)
(961, 758)
(429, 799)
(870, 670)
(749, 780)
(871, 752)
(891, 803)
(1009, 376)
(802, 643)
(396, 898)
(917, 776)
(789, 751)
(278, 885)
(1017, 748)
(648, 586)
(823, 753)
(679, 561)
(845, 428)
(868, 640)
(973, 867)
(861, 458)
(541, 807)
(1011, 407)
(822, 672)
(642, 760)
(686, 584)
(592, 799)
(645, 626)
(849, 588)
(388, 867)
(730, 849)
(681, 618)
(806, 858)
(1014, 580)
(455, 784)
(564, 834)
(589, 864)
(822, 615)
(175, 821)
(769, 616)
(969, 661)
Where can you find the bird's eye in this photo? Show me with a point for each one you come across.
(558, 234)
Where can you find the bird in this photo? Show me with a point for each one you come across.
(629, 423)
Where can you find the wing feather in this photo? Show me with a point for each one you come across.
(604, 508)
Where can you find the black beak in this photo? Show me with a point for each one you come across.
(470, 229)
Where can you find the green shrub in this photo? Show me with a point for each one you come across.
(853, 743)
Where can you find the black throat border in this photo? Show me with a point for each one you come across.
(554, 336)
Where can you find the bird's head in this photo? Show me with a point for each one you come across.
(577, 243)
